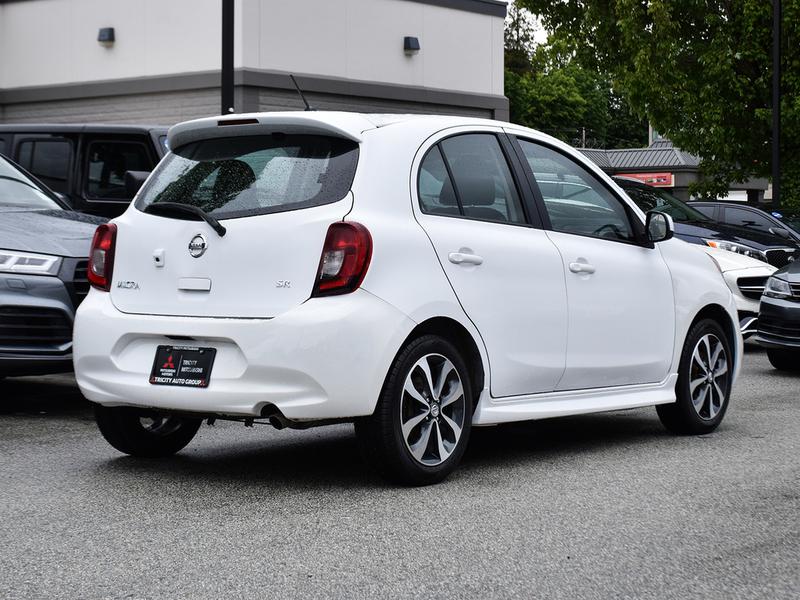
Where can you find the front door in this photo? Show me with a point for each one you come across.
(620, 297)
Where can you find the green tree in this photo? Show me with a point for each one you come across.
(549, 89)
(700, 70)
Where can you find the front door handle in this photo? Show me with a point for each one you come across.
(581, 267)
(464, 257)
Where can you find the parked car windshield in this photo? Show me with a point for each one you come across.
(651, 198)
(17, 190)
(251, 175)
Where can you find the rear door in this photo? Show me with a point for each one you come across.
(620, 297)
(276, 195)
(506, 273)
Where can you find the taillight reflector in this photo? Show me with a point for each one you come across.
(101, 257)
(345, 259)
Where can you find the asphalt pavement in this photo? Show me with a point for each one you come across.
(599, 506)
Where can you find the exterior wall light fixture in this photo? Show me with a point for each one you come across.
(105, 37)
(411, 45)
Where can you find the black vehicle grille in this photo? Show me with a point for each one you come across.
(795, 290)
(34, 328)
(779, 329)
(80, 282)
(76, 281)
(780, 257)
(751, 287)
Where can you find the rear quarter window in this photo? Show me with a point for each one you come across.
(252, 175)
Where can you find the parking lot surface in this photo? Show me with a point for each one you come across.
(598, 506)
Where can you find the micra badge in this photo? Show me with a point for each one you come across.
(128, 285)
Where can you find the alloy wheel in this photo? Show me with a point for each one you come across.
(708, 376)
(432, 409)
(159, 424)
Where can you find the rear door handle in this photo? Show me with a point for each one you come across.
(581, 267)
(462, 257)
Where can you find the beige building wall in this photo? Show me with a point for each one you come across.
(164, 64)
(50, 42)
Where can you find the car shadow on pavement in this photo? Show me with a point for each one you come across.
(556, 438)
(329, 457)
(52, 395)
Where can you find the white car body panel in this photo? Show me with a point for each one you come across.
(242, 269)
(621, 316)
(327, 358)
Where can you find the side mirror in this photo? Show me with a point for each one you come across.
(780, 232)
(659, 226)
(134, 180)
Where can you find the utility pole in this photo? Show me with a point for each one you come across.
(583, 137)
(776, 103)
(226, 83)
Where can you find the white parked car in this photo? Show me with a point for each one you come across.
(404, 273)
(746, 277)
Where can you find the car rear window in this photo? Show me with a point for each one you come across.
(253, 175)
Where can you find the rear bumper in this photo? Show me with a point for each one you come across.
(324, 359)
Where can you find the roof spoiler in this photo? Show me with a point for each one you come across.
(344, 125)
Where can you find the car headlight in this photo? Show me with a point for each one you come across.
(738, 248)
(777, 288)
(27, 263)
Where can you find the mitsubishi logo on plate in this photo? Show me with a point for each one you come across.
(198, 245)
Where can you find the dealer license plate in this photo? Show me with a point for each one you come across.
(185, 366)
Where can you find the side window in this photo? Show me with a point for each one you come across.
(467, 175)
(49, 160)
(436, 193)
(575, 200)
(108, 162)
(746, 218)
(706, 210)
(3, 146)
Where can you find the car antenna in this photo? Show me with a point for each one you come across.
(299, 91)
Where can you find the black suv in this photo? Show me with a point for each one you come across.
(86, 164)
(779, 318)
(785, 225)
(693, 226)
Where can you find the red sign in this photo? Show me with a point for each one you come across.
(654, 179)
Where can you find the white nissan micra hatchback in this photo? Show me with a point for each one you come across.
(414, 275)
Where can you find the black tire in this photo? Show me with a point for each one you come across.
(682, 417)
(380, 436)
(143, 433)
(784, 360)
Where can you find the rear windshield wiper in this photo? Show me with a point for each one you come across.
(173, 207)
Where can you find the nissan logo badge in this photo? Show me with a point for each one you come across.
(198, 245)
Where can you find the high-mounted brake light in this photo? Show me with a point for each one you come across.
(345, 259)
(101, 257)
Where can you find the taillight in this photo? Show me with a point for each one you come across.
(101, 257)
(345, 259)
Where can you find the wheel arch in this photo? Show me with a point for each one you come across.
(461, 338)
(717, 313)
